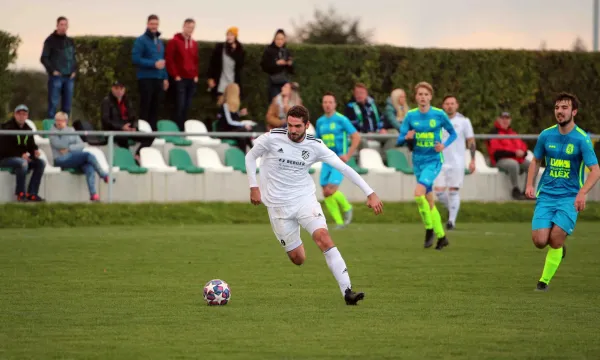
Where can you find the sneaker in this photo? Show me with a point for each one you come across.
(348, 216)
(541, 286)
(352, 298)
(34, 198)
(442, 243)
(449, 226)
(429, 238)
(95, 197)
(21, 197)
(517, 194)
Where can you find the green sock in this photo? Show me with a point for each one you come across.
(342, 201)
(438, 227)
(334, 210)
(553, 259)
(425, 211)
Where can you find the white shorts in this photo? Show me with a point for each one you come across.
(450, 177)
(286, 222)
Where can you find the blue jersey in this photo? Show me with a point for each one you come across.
(428, 131)
(334, 132)
(566, 156)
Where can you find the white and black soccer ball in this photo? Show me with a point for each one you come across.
(217, 292)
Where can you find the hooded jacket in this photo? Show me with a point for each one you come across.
(147, 50)
(59, 54)
(16, 145)
(505, 148)
(182, 57)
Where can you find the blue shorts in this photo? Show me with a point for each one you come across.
(560, 212)
(330, 176)
(427, 172)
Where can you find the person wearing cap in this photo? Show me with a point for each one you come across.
(508, 154)
(117, 114)
(277, 112)
(21, 154)
(226, 64)
(182, 65)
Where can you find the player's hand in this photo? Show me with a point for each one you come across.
(580, 202)
(374, 203)
(472, 167)
(255, 196)
(345, 158)
(410, 135)
(439, 147)
(530, 192)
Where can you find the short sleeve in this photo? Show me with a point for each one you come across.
(468, 129)
(539, 151)
(587, 151)
(347, 126)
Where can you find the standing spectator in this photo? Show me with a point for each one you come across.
(148, 56)
(396, 108)
(229, 115)
(118, 115)
(508, 154)
(67, 151)
(58, 57)
(281, 104)
(226, 64)
(20, 153)
(277, 63)
(182, 66)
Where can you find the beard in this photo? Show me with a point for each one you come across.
(566, 121)
(296, 138)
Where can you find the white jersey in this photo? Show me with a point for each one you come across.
(284, 166)
(454, 155)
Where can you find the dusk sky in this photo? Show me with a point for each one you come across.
(442, 23)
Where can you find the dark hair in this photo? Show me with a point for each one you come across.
(189, 20)
(61, 18)
(563, 96)
(279, 31)
(360, 86)
(449, 96)
(299, 111)
(152, 17)
(329, 93)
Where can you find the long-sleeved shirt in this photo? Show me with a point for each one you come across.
(60, 142)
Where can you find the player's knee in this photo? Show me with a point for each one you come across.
(557, 239)
(322, 239)
(420, 190)
(297, 257)
(540, 240)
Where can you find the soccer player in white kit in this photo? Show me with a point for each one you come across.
(288, 192)
(453, 170)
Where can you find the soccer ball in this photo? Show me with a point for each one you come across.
(216, 292)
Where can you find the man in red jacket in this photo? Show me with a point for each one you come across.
(508, 154)
(182, 65)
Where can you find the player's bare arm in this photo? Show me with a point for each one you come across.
(354, 142)
(534, 168)
(472, 149)
(589, 184)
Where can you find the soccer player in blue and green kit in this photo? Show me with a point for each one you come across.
(561, 191)
(425, 125)
(334, 129)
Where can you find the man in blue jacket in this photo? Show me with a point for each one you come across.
(148, 56)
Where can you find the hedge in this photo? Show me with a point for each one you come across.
(485, 81)
(79, 215)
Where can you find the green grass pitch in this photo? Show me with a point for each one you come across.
(136, 293)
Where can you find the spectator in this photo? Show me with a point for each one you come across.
(396, 108)
(508, 154)
(118, 115)
(182, 66)
(148, 55)
(277, 112)
(20, 153)
(58, 57)
(226, 64)
(277, 63)
(362, 111)
(229, 115)
(67, 151)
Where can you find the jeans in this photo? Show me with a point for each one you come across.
(60, 87)
(86, 162)
(184, 92)
(21, 167)
(151, 94)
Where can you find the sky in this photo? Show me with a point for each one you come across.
(466, 24)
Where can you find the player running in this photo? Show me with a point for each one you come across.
(561, 191)
(453, 169)
(425, 125)
(333, 129)
(288, 192)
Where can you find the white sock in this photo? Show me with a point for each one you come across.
(442, 197)
(338, 268)
(454, 201)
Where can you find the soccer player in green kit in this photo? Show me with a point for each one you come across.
(425, 125)
(334, 128)
(561, 191)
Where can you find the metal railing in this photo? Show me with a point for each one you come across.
(110, 135)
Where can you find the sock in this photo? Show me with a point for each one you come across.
(454, 202)
(424, 210)
(442, 197)
(438, 227)
(338, 268)
(553, 258)
(334, 210)
(342, 201)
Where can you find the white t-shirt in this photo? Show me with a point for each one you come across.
(284, 177)
(454, 155)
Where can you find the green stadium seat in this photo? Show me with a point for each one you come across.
(352, 163)
(235, 158)
(170, 126)
(397, 160)
(126, 162)
(183, 162)
(231, 142)
(47, 125)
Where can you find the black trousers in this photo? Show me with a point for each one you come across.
(151, 95)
